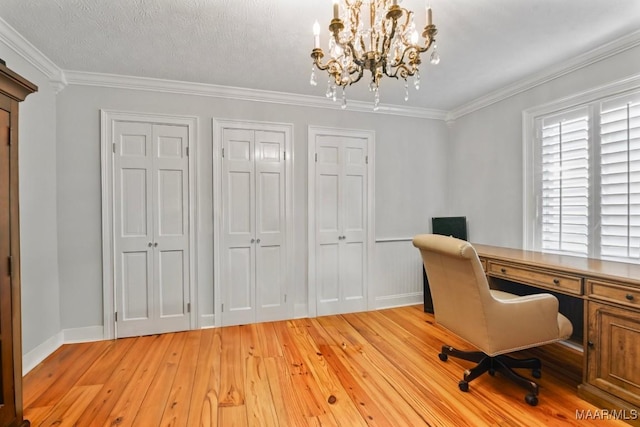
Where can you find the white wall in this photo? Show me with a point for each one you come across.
(410, 178)
(38, 213)
(485, 173)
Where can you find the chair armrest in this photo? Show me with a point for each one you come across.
(522, 322)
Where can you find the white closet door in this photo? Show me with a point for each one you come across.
(238, 223)
(133, 228)
(341, 224)
(171, 227)
(354, 208)
(270, 226)
(329, 224)
(151, 228)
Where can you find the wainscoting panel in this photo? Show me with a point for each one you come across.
(398, 273)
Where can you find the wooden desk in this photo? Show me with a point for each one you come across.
(611, 296)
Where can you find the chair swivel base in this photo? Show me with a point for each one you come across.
(492, 364)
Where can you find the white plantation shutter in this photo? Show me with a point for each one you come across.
(565, 182)
(620, 178)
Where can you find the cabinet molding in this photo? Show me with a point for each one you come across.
(13, 89)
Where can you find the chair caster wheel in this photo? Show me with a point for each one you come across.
(443, 357)
(492, 372)
(536, 373)
(463, 385)
(531, 399)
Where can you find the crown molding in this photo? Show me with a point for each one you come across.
(598, 54)
(201, 89)
(60, 78)
(31, 54)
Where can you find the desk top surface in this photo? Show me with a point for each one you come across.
(587, 267)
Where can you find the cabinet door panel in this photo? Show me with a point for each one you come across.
(171, 193)
(613, 363)
(269, 279)
(352, 280)
(171, 272)
(240, 204)
(327, 278)
(134, 191)
(136, 284)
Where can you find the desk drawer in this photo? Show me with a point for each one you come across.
(539, 278)
(616, 293)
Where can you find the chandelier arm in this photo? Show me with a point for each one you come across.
(403, 70)
(359, 61)
(360, 74)
(317, 56)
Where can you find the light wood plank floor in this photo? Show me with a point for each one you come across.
(376, 368)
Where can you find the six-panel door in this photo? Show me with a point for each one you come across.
(341, 212)
(254, 227)
(151, 228)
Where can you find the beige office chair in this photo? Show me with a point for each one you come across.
(493, 321)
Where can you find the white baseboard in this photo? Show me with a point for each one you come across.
(300, 311)
(31, 359)
(67, 336)
(400, 300)
(86, 334)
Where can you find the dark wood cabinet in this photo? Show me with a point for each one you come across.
(13, 89)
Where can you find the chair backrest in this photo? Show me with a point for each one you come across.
(459, 287)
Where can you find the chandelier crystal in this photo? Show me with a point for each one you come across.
(374, 35)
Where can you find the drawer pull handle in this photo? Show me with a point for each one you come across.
(556, 281)
(503, 270)
(629, 297)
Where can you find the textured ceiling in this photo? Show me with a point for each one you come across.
(265, 44)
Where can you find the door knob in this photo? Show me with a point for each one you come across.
(155, 244)
(258, 241)
(150, 244)
(253, 240)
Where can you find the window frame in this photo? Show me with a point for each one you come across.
(531, 139)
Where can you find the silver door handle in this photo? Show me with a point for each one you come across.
(258, 241)
(150, 244)
(253, 240)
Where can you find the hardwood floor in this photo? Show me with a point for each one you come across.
(375, 368)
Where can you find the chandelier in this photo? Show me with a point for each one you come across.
(374, 35)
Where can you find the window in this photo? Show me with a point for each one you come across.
(565, 182)
(619, 141)
(582, 170)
